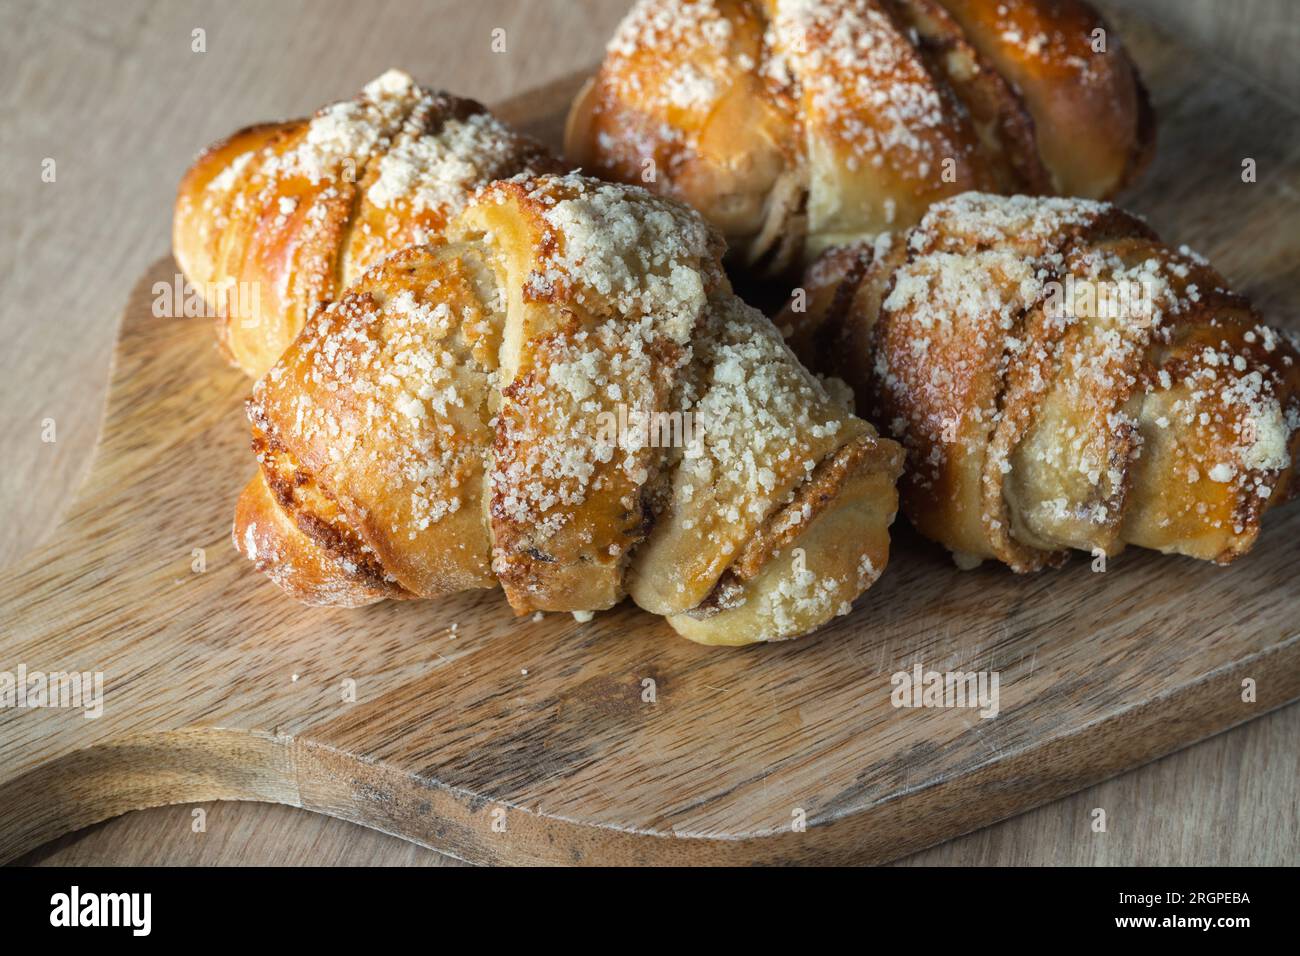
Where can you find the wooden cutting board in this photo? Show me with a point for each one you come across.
(508, 740)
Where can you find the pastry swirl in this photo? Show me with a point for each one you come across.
(458, 419)
(795, 125)
(1061, 379)
(281, 217)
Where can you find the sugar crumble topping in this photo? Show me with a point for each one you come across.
(341, 137)
(647, 255)
(440, 170)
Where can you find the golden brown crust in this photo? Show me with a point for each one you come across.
(814, 498)
(765, 425)
(838, 553)
(1093, 120)
(465, 415)
(796, 125)
(277, 219)
(266, 534)
(594, 327)
(1002, 125)
(382, 401)
(723, 138)
(1061, 380)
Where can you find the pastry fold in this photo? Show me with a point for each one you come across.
(796, 125)
(279, 218)
(566, 399)
(1061, 379)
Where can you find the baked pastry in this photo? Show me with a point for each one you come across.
(1061, 379)
(280, 217)
(795, 125)
(565, 399)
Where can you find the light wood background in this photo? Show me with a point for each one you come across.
(113, 93)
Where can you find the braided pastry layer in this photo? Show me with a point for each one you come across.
(794, 125)
(491, 410)
(1061, 379)
(279, 218)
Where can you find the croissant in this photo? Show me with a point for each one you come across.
(1060, 379)
(490, 409)
(795, 125)
(280, 217)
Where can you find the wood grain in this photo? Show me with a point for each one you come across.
(129, 83)
(1245, 35)
(1222, 774)
(219, 689)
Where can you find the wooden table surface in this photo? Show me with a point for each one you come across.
(117, 97)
